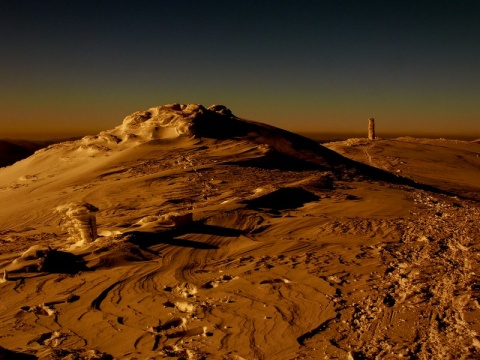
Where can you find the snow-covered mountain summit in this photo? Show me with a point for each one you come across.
(171, 158)
(190, 123)
(163, 122)
(166, 151)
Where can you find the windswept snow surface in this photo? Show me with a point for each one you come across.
(222, 238)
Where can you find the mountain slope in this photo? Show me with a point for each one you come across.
(450, 165)
(169, 140)
(147, 144)
(186, 232)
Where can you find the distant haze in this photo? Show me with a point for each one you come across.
(73, 67)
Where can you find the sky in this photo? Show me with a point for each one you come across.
(75, 67)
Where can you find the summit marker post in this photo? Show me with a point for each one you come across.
(371, 129)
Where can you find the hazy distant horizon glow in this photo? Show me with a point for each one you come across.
(78, 67)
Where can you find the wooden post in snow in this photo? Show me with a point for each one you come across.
(371, 129)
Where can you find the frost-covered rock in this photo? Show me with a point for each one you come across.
(79, 219)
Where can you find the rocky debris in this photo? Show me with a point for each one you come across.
(184, 290)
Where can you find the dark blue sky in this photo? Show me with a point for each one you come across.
(73, 67)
